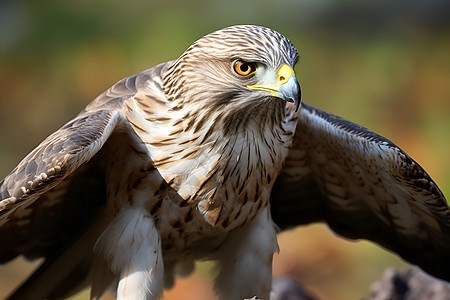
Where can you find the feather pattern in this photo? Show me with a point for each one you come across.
(186, 155)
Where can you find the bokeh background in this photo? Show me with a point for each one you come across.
(383, 64)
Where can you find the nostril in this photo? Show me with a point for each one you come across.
(282, 78)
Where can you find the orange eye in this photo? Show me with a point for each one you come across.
(243, 68)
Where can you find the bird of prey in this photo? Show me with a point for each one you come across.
(207, 157)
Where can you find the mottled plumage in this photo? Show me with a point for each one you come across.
(177, 163)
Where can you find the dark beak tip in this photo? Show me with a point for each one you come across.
(297, 105)
(299, 99)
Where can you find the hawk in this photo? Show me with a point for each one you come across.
(207, 157)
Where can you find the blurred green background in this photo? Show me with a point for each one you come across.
(382, 64)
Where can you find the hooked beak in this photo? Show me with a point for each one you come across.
(286, 86)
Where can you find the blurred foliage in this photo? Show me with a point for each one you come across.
(382, 64)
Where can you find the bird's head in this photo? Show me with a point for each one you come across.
(245, 69)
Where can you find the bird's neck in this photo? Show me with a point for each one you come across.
(204, 157)
(225, 143)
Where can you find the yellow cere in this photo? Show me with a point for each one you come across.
(283, 75)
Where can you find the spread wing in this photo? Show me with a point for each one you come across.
(56, 193)
(363, 186)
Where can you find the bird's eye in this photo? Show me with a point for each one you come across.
(243, 68)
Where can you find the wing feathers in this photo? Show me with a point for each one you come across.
(363, 186)
(56, 157)
(67, 194)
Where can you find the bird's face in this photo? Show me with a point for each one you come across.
(242, 70)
